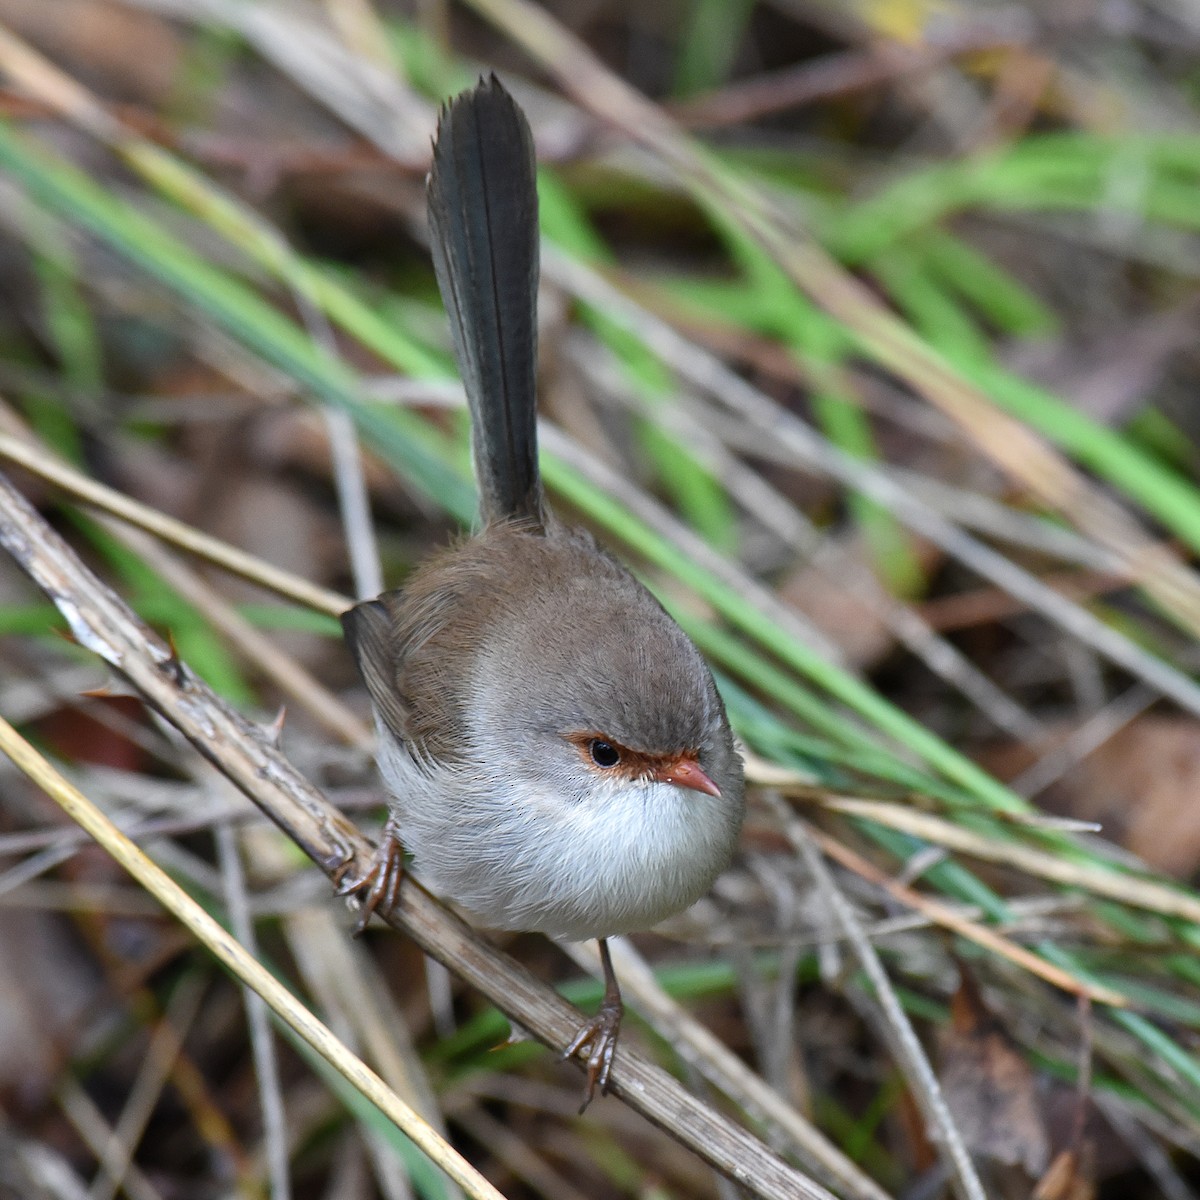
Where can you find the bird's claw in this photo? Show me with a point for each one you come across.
(380, 883)
(600, 1035)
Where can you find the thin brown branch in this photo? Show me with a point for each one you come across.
(943, 915)
(906, 1046)
(829, 77)
(179, 533)
(1146, 894)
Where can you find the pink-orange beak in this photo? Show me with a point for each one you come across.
(686, 772)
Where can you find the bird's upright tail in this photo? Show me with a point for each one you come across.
(483, 220)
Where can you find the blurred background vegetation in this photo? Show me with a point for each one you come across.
(868, 336)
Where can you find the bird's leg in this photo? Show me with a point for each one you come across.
(381, 880)
(600, 1033)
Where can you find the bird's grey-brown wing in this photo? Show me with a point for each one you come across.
(410, 646)
(368, 631)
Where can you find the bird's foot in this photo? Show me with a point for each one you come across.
(599, 1035)
(380, 883)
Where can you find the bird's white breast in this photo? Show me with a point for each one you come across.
(611, 857)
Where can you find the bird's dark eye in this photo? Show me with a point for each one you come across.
(604, 754)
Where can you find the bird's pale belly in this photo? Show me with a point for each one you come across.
(570, 867)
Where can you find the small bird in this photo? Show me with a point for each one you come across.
(555, 751)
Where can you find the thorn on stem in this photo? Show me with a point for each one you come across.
(173, 664)
(274, 729)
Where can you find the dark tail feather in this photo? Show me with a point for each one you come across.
(483, 221)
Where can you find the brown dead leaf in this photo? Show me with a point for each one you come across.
(989, 1087)
(830, 594)
(127, 54)
(1141, 786)
(1065, 1179)
(104, 735)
